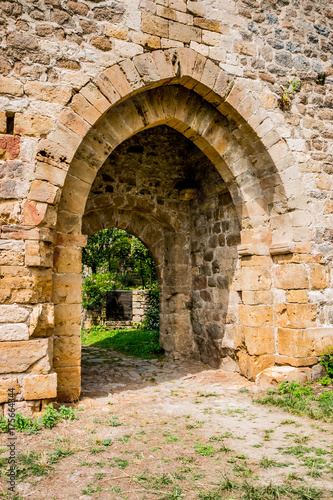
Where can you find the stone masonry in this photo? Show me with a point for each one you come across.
(164, 118)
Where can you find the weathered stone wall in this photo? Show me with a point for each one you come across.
(78, 78)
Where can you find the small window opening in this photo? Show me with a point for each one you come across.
(10, 124)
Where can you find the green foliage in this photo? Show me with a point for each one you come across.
(26, 424)
(3, 424)
(290, 89)
(105, 248)
(301, 400)
(49, 419)
(142, 263)
(50, 416)
(67, 413)
(94, 288)
(134, 342)
(327, 361)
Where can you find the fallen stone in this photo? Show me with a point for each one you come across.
(273, 376)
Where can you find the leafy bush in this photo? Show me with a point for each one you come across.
(26, 424)
(50, 417)
(67, 413)
(94, 288)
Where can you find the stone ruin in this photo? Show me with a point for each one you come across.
(167, 118)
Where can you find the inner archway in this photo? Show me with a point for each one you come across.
(159, 182)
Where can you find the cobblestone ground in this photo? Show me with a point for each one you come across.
(160, 429)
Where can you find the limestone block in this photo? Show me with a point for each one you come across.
(319, 276)
(67, 315)
(74, 122)
(72, 240)
(33, 126)
(35, 214)
(11, 86)
(291, 276)
(229, 365)
(42, 320)
(44, 192)
(257, 297)
(67, 260)
(257, 316)
(95, 97)
(48, 92)
(67, 288)
(154, 25)
(38, 253)
(303, 343)
(67, 351)
(40, 386)
(295, 315)
(3, 123)
(250, 366)
(259, 340)
(318, 372)
(9, 211)
(298, 296)
(286, 360)
(13, 314)
(7, 383)
(50, 173)
(84, 109)
(255, 278)
(273, 376)
(20, 356)
(16, 331)
(26, 408)
(69, 383)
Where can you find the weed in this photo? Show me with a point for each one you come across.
(266, 463)
(205, 451)
(121, 463)
(267, 434)
(90, 489)
(244, 390)
(50, 416)
(67, 413)
(176, 494)
(58, 454)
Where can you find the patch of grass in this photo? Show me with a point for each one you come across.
(266, 463)
(204, 450)
(58, 454)
(176, 494)
(134, 342)
(300, 400)
(121, 463)
(90, 489)
(32, 464)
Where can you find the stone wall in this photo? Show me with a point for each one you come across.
(139, 306)
(245, 269)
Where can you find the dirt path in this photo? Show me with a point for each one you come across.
(169, 430)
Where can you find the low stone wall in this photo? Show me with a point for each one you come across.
(139, 306)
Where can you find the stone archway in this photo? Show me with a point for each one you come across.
(227, 119)
(243, 162)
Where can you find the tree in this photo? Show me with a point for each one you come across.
(121, 254)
